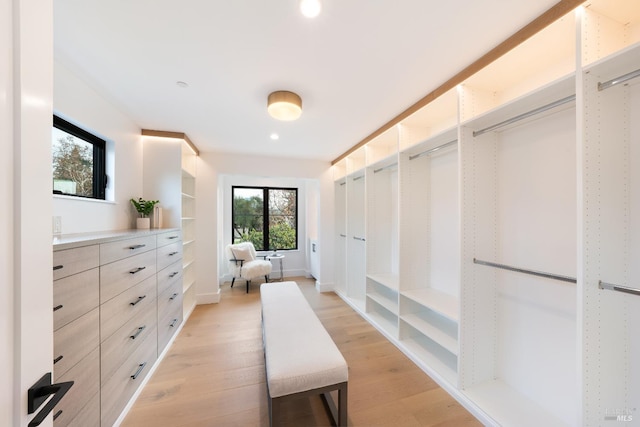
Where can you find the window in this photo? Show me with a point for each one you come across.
(78, 161)
(267, 217)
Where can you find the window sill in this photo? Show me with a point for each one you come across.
(83, 199)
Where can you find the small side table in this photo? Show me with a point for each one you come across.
(278, 257)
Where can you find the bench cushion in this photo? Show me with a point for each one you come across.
(299, 353)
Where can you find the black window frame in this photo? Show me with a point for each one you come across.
(265, 213)
(99, 158)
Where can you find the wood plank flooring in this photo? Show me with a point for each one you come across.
(213, 375)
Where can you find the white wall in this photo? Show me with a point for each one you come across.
(6, 213)
(77, 102)
(217, 171)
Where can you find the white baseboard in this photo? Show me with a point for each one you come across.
(324, 287)
(211, 298)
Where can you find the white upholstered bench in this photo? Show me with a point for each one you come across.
(300, 357)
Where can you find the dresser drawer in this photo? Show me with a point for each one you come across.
(169, 275)
(169, 322)
(169, 297)
(117, 390)
(169, 237)
(169, 254)
(120, 309)
(119, 276)
(89, 416)
(73, 342)
(74, 296)
(120, 249)
(116, 348)
(71, 261)
(78, 406)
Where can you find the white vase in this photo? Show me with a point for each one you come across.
(143, 223)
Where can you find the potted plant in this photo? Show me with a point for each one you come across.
(144, 208)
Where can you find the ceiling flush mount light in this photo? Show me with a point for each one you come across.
(182, 84)
(284, 105)
(274, 136)
(310, 8)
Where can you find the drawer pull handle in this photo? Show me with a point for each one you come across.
(57, 414)
(173, 253)
(172, 275)
(140, 368)
(173, 323)
(138, 332)
(173, 297)
(57, 359)
(58, 267)
(137, 270)
(137, 301)
(134, 247)
(57, 307)
(172, 237)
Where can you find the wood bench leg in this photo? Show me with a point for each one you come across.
(274, 412)
(342, 405)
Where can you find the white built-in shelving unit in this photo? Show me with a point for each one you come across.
(170, 177)
(188, 219)
(502, 226)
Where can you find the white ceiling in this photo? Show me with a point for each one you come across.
(356, 66)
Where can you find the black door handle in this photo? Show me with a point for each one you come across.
(40, 392)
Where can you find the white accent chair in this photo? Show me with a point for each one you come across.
(243, 263)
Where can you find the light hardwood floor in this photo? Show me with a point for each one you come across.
(213, 375)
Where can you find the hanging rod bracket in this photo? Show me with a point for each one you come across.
(612, 287)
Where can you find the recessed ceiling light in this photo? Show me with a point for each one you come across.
(182, 84)
(274, 136)
(310, 8)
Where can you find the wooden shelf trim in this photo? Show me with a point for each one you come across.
(175, 135)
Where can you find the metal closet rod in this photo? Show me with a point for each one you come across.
(525, 115)
(612, 287)
(618, 80)
(526, 271)
(386, 167)
(432, 150)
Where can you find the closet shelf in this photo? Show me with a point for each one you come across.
(437, 335)
(444, 304)
(508, 407)
(383, 323)
(388, 280)
(430, 360)
(392, 306)
(617, 64)
(188, 196)
(553, 91)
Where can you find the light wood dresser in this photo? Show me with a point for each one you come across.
(117, 304)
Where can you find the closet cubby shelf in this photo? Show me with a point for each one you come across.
(388, 280)
(434, 333)
(430, 360)
(440, 302)
(187, 285)
(384, 323)
(391, 306)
